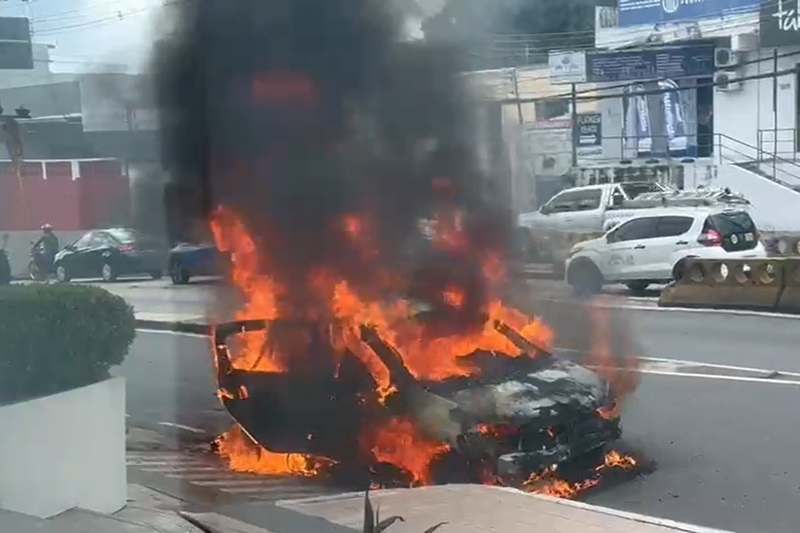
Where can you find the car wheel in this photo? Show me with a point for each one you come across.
(108, 272)
(179, 275)
(637, 287)
(62, 274)
(156, 274)
(585, 278)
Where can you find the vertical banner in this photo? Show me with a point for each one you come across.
(637, 127)
(674, 116)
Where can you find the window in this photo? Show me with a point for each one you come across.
(639, 228)
(84, 241)
(730, 223)
(674, 226)
(580, 200)
(123, 235)
(632, 190)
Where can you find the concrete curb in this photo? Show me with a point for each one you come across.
(636, 517)
(195, 328)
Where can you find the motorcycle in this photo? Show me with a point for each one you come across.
(40, 266)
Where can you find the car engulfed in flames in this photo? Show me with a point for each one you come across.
(508, 420)
(443, 384)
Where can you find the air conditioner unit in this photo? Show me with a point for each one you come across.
(727, 80)
(725, 57)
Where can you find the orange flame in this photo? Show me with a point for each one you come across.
(547, 483)
(242, 454)
(398, 442)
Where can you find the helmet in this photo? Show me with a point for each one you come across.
(47, 228)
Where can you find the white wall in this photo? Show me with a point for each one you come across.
(775, 208)
(65, 451)
(742, 113)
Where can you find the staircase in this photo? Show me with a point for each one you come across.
(770, 182)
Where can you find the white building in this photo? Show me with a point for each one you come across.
(755, 119)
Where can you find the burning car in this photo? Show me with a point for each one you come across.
(507, 418)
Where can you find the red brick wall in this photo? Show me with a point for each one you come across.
(100, 196)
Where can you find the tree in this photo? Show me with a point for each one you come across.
(513, 32)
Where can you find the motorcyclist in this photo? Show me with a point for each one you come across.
(49, 248)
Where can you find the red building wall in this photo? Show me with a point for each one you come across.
(70, 195)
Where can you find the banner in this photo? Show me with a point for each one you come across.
(637, 131)
(652, 12)
(780, 23)
(663, 62)
(674, 116)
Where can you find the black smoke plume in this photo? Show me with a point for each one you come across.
(298, 113)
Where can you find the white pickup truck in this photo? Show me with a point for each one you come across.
(597, 208)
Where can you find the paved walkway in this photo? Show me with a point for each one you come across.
(475, 508)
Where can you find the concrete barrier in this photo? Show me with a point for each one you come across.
(65, 450)
(728, 283)
(782, 244)
(789, 301)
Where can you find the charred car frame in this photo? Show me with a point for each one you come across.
(515, 417)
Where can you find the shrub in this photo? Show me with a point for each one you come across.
(55, 338)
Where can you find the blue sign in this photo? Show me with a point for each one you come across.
(651, 12)
(665, 62)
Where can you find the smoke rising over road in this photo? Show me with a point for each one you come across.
(315, 121)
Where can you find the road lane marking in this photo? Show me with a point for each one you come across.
(165, 332)
(718, 376)
(724, 367)
(181, 426)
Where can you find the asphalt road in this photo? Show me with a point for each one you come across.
(725, 450)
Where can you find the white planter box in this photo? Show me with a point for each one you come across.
(64, 451)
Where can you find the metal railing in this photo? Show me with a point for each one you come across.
(785, 172)
(781, 142)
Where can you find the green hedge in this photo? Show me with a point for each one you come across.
(59, 337)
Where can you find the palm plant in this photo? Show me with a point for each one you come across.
(374, 524)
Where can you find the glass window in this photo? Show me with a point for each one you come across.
(123, 235)
(674, 226)
(84, 241)
(632, 190)
(731, 223)
(581, 200)
(640, 228)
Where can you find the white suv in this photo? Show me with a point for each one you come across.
(650, 248)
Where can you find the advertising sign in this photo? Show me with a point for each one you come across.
(550, 146)
(651, 12)
(637, 130)
(567, 67)
(589, 135)
(674, 116)
(780, 23)
(665, 62)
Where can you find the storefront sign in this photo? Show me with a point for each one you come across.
(549, 145)
(651, 12)
(780, 23)
(567, 67)
(589, 135)
(665, 62)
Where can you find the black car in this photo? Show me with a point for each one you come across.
(110, 253)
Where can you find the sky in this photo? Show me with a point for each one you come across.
(91, 35)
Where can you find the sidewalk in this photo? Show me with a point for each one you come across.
(476, 508)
